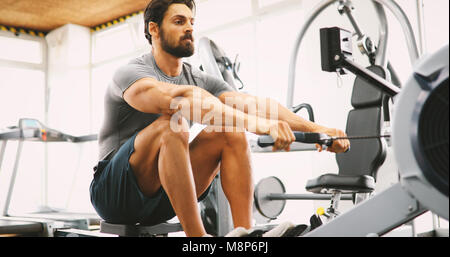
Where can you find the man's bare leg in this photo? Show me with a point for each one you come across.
(176, 177)
(161, 158)
(237, 180)
(229, 152)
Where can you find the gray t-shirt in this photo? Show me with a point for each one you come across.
(121, 120)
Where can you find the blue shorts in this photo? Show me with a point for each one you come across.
(117, 198)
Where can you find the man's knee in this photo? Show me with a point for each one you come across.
(236, 139)
(175, 129)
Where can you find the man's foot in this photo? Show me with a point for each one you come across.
(237, 232)
(279, 230)
(296, 231)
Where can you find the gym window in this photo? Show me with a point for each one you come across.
(16, 49)
(112, 43)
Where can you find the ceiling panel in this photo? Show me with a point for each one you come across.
(46, 15)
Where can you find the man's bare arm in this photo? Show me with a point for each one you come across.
(271, 109)
(151, 96)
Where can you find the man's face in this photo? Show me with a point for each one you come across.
(176, 31)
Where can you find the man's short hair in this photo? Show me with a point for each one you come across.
(156, 10)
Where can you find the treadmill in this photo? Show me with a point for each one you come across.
(46, 220)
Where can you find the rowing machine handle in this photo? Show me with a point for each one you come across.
(301, 137)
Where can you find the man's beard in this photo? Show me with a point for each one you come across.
(181, 51)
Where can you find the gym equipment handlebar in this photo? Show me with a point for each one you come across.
(301, 137)
(315, 138)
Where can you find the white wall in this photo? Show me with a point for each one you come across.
(69, 94)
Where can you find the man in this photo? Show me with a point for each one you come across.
(148, 171)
